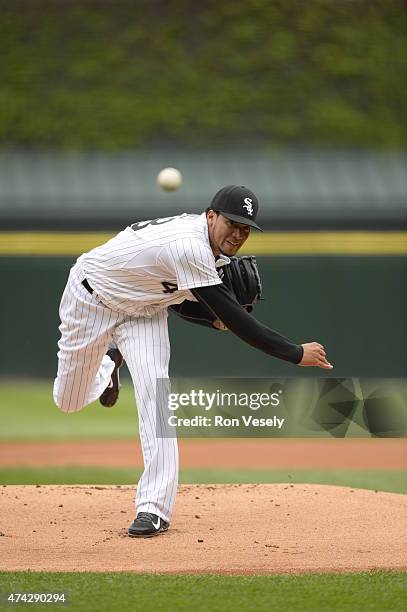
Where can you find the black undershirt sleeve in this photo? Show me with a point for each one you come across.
(225, 306)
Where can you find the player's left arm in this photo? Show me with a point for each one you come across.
(223, 303)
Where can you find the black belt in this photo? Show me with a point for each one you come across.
(87, 286)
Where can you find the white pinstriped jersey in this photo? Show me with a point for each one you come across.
(152, 264)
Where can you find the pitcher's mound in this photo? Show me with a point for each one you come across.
(249, 529)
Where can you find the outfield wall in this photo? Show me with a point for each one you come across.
(355, 305)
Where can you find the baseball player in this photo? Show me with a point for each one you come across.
(115, 307)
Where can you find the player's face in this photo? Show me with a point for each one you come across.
(226, 236)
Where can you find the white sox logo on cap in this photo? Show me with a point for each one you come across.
(237, 203)
(248, 205)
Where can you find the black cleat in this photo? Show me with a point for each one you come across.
(111, 393)
(146, 525)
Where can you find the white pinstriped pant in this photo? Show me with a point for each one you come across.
(87, 327)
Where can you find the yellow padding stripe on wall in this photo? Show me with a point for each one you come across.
(269, 243)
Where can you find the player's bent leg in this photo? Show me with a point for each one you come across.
(145, 346)
(84, 370)
(72, 390)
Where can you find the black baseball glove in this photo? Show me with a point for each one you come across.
(242, 277)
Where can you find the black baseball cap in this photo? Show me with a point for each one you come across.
(237, 203)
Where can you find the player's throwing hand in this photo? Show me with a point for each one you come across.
(314, 355)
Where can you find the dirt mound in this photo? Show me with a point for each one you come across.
(248, 529)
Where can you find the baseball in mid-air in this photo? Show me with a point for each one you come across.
(169, 179)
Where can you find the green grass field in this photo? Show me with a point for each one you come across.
(306, 592)
(394, 481)
(28, 413)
